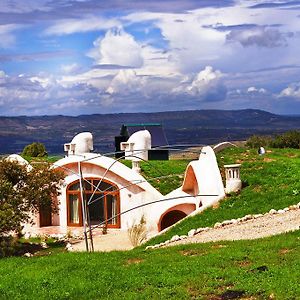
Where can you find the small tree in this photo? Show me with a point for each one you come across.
(35, 150)
(23, 193)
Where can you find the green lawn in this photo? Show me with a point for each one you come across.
(261, 269)
(270, 181)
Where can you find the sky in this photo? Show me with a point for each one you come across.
(73, 57)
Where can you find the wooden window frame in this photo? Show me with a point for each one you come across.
(77, 192)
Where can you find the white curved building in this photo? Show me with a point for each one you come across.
(120, 197)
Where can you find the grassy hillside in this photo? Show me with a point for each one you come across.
(261, 269)
(270, 181)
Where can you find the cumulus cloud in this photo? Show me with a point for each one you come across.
(253, 89)
(292, 91)
(71, 68)
(207, 85)
(117, 48)
(125, 82)
(89, 23)
(259, 36)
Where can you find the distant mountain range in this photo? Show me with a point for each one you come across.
(181, 127)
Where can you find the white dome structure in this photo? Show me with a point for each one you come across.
(20, 160)
(80, 144)
(137, 146)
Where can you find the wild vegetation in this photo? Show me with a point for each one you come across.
(289, 139)
(22, 193)
(261, 269)
(35, 150)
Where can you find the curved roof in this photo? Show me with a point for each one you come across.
(110, 165)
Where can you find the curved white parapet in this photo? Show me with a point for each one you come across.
(137, 146)
(221, 146)
(203, 178)
(20, 160)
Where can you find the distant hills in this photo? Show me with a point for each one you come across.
(181, 127)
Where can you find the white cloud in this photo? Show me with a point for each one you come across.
(253, 89)
(70, 68)
(207, 85)
(88, 23)
(259, 36)
(7, 37)
(292, 91)
(117, 48)
(125, 82)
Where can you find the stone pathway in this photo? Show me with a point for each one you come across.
(263, 226)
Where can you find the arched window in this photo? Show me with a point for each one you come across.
(103, 199)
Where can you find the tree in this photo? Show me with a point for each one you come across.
(35, 150)
(23, 193)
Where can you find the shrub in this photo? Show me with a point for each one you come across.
(138, 233)
(289, 139)
(35, 150)
(23, 193)
(256, 141)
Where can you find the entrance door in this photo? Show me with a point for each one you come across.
(45, 217)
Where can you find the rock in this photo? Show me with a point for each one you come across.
(298, 205)
(28, 254)
(281, 211)
(149, 247)
(44, 245)
(286, 209)
(69, 247)
(27, 235)
(218, 225)
(257, 216)
(227, 222)
(234, 221)
(183, 237)
(192, 232)
(293, 207)
(273, 211)
(175, 238)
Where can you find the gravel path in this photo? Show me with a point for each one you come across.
(267, 225)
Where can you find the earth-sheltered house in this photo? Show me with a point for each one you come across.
(118, 196)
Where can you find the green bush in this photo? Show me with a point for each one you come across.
(35, 150)
(290, 139)
(256, 141)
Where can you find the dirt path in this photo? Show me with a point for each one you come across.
(266, 225)
(114, 240)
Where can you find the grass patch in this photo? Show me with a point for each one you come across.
(270, 181)
(164, 175)
(244, 269)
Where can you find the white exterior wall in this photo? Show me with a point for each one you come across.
(201, 177)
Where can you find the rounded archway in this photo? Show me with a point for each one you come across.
(171, 218)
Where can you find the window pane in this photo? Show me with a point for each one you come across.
(96, 208)
(112, 209)
(104, 186)
(74, 209)
(87, 185)
(74, 187)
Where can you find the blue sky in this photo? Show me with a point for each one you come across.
(77, 57)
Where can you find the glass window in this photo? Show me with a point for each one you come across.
(112, 209)
(74, 208)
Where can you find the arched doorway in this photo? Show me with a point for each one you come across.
(171, 218)
(103, 199)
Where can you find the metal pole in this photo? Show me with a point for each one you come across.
(83, 207)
